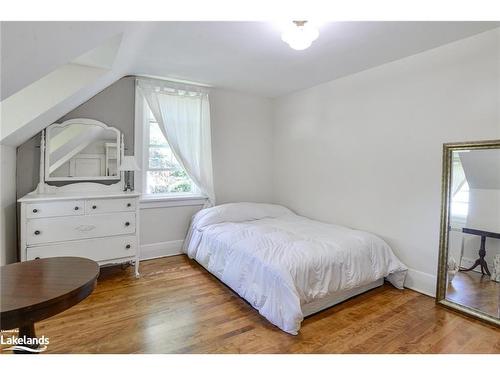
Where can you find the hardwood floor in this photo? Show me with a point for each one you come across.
(178, 307)
(475, 290)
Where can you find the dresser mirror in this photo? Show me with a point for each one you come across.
(469, 259)
(82, 150)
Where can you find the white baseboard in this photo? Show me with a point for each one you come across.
(161, 249)
(421, 282)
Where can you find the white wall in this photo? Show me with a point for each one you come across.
(163, 229)
(365, 150)
(8, 234)
(241, 146)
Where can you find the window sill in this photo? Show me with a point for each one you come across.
(159, 201)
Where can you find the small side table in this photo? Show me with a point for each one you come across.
(38, 289)
(482, 249)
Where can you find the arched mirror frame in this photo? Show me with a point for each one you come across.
(84, 121)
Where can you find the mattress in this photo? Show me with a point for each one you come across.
(285, 265)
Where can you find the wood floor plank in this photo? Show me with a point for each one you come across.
(475, 290)
(176, 306)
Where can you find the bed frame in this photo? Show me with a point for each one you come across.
(334, 299)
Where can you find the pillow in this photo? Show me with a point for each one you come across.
(238, 212)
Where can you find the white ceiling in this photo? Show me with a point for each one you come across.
(243, 56)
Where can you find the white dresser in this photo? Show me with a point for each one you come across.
(91, 215)
(100, 225)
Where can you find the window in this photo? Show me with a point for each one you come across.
(183, 112)
(162, 172)
(459, 193)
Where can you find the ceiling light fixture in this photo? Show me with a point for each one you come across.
(299, 34)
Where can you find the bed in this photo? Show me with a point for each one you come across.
(285, 265)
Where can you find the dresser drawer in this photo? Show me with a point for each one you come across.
(58, 208)
(79, 227)
(100, 249)
(100, 206)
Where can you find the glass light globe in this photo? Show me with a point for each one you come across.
(299, 35)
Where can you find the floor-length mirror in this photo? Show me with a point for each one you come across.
(469, 269)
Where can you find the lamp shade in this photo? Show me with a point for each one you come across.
(128, 164)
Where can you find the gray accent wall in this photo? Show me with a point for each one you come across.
(114, 106)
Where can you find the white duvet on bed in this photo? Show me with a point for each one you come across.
(278, 261)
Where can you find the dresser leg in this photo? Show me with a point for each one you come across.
(137, 268)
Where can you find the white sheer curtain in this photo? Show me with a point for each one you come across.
(183, 113)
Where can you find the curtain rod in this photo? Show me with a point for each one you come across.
(173, 80)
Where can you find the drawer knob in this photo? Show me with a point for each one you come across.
(127, 223)
(37, 232)
(94, 207)
(35, 210)
(127, 247)
(129, 204)
(76, 208)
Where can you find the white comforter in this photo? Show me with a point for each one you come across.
(278, 261)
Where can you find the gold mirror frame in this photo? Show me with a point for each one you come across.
(448, 149)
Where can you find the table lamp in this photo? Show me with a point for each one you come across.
(128, 165)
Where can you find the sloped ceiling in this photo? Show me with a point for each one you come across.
(243, 56)
(62, 77)
(482, 168)
(20, 112)
(31, 50)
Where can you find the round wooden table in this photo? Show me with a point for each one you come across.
(38, 289)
